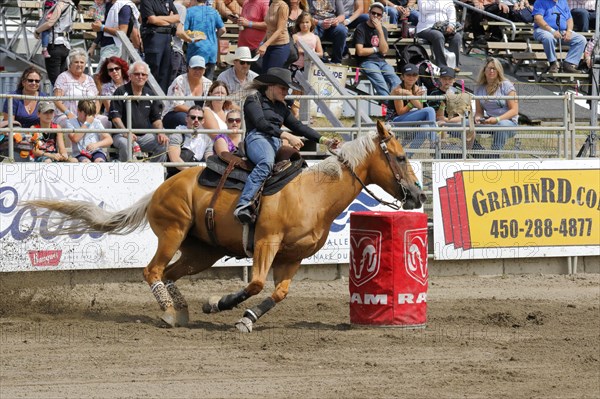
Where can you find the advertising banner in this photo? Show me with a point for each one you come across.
(27, 239)
(323, 87)
(516, 209)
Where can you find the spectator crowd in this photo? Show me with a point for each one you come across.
(180, 43)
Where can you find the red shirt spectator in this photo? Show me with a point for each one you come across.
(252, 19)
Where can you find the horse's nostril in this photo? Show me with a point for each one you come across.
(422, 197)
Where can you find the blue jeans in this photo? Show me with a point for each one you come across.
(275, 56)
(173, 119)
(381, 75)
(260, 149)
(147, 143)
(499, 138)
(583, 19)
(337, 35)
(577, 45)
(360, 19)
(426, 114)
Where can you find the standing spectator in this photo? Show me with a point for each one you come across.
(353, 12)
(229, 142)
(206, 19)
(239, 74)
(159, 22)
(59, 23)
(178, 59)
(50, 146)
(215, 111)
(145, 114)
(275, 50)
(584, 14)
(25, 112)
(45, 35)
(120, 16)
(191, 84)
(491, 82)
(74, 83)
(189, 147)
(546, 31)
(297, 7)
(252, 20)
(432, 11)
(88, 147)
(412, 110)
(371, 43)
(305, 34)
(329, 17)
(114, 72)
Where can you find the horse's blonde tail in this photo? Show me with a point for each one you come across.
(86, 216)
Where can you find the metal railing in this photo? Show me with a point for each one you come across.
(465, 6)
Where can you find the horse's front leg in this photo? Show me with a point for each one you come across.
(282, 275)
(264, 253)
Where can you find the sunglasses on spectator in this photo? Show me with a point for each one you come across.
(140, 74)
(33, 80)
(244, 62)
(376, 14)
(490, 69)
(194, 117)
(113, 69)
(236, 120)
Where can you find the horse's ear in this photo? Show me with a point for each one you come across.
(382, 131)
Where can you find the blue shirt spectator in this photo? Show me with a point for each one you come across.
(205, 19)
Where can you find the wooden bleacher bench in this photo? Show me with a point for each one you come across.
(30, 4)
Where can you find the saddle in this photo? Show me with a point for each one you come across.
(231, 170)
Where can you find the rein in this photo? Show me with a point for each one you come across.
(395, 171)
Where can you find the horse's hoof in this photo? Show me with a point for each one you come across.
(212, 305)
(244, 325)
(182, 318)
(169, 317)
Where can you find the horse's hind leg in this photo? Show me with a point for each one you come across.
(195, 257)
(169, 241)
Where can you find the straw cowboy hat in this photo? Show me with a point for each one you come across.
(243, 54)
(278, 76)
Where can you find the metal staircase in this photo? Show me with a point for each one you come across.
(19, 19)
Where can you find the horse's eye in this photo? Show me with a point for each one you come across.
(401, 158)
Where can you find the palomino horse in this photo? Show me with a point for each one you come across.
(293, 223)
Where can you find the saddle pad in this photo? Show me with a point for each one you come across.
(211, 175)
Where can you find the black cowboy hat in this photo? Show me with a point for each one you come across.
(278, 76)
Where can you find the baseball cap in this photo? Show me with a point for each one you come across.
(377, 4)
(197, 61)
(447, 72)
(410, 68)
(45, 106)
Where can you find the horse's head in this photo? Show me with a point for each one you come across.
(394, 173)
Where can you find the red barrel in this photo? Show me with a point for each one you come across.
(388, 269)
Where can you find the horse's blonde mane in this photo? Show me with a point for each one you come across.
(352, 153)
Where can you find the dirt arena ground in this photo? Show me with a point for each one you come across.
(513, 336)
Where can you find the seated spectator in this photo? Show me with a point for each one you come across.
(447, 79)
(412, 110)
(305, 33)
(592, 49)
(520, 11)
(215, 111)
(191, 84)
(584, 14)
(491, 82)
(25, 112)
(237, 76)
(50, 146)
(114, 72)
(354, 13)
(401, 9)
(432, 12)
(371, 43)
(189, 147)
(329, 17)
(495, 32)
(229, 142)
(88, 147)
(206, 19)
(546, 31)
(145, 114)
(275, 48)
(74, 82)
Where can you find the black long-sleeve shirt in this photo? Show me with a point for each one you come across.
(267, 117)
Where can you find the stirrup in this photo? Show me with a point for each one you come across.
(245, 214)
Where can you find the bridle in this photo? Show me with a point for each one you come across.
(395, 170)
